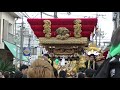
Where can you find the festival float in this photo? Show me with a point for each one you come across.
(93, 49)
(65, 38)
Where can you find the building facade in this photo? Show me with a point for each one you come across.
(7, 23)
(7, 32)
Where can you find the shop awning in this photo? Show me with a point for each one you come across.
(13, 49)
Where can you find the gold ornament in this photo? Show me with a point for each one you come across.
(77, 28)
(88, 64)
(47, 28)
(92, 48)
(82, 62)
(63, 33)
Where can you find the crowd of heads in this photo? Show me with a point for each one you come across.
(42, 68)
(88, 73)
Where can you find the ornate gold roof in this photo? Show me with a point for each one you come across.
(93, 47)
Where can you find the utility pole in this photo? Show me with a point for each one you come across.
(96, 34)
(55, 15)
(29, 41)
(21, 43)
(100, 37)
(29, 47)
(99, 32)
(97, 29)
(41, 14)
(16, 38)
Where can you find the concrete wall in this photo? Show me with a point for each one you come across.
(11, 20)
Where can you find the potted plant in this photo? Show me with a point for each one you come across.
(6, 65)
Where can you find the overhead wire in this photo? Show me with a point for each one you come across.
(48, 14)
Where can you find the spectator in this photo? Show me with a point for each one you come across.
(1, 75)
(6, 74)
(55, 72)
(18, 74)
(12, 74)
(40, 69)
(91, 63)
(111, 66)
(24, 69)
(89, 73)
(62, 74)
(81, 75)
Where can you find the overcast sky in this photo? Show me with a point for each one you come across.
(104, 22)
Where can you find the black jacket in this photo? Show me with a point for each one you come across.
(109, 69)
(91, 65)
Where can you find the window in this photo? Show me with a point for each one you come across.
(10, 27)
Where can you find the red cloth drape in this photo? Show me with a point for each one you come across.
(63, 21)
(88, 25)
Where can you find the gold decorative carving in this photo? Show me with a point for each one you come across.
(82, 62)
(47, 28)
(63, 33)
(92, 48)
(77, 28)
(70, 40)
(63, 51)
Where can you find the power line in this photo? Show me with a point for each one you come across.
(48, 14)
(23, 13)
(27, 14)
(36, 14)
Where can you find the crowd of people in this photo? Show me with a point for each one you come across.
(43, 68)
